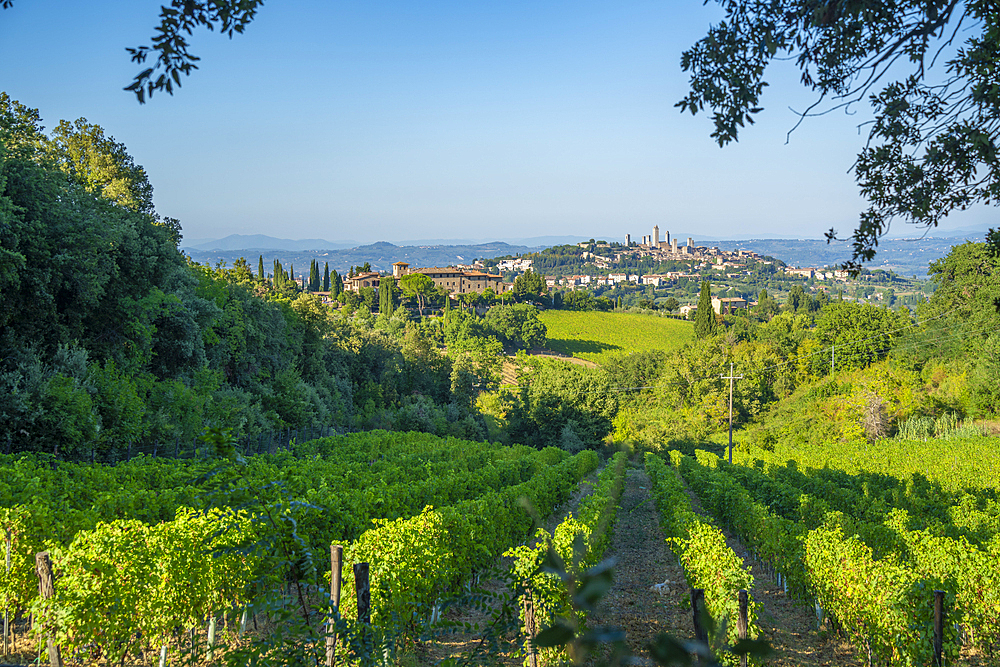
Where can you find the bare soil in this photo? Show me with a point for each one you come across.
(643, 560)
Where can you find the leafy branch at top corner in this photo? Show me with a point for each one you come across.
(170, 44)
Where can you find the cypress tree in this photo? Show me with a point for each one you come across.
(314, 276)
(336, 284)
(291, 272)
(260, 268)
(383, 296)
(326, 278)
(704, 319)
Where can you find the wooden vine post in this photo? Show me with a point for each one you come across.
(697, 607)
(938, 628)
(336, 569)
(530, 628)
(363, 592)
(742, 623)
(47, 590)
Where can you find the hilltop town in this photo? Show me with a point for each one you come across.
(656, 273)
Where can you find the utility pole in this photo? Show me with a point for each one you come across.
(731, 378)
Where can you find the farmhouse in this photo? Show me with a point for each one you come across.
(727, 305)
(359, 280)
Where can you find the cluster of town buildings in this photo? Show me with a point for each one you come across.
(473, 278)
(457, 280)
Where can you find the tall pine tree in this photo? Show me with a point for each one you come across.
(326, 277)
(260, 269)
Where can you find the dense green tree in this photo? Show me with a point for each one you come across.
(21, 130)
(260, 268)
(766, 307)
(517, 326)
(100, 164)
(860, 333)
(326, 277)
(932, 147)
(705, 324)
(418, 286)
(529, 286)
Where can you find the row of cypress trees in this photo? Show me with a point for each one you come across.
(331, 281)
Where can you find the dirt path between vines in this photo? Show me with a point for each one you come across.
(789, 625)
(643, 560)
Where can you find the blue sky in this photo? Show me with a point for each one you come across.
(396, 120)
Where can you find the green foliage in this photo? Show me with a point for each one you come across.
(99, 164)
(125, 585)
(708, 561)
(418, 286)
(529, 286)
(705, 324)
(387, 295)
(555, 395)
(517, 326)
(576, 545)
(833, 537)
(860, 333)
(927, 151)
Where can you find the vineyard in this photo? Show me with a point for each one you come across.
(598, 336)
(149, 548)
(222, 560)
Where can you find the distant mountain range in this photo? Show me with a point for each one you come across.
(905, 256)
(380, 256)
(264, 242)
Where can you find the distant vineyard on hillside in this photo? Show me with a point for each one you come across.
(598, 336)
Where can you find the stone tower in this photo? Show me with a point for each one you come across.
(656, 236)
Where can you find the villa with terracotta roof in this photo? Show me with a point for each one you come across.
(455, 280)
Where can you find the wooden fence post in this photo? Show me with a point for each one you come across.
(336, 568)
(938, 628)
(47, 589)
(697, 607)
(743, 622)
(363, 592)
